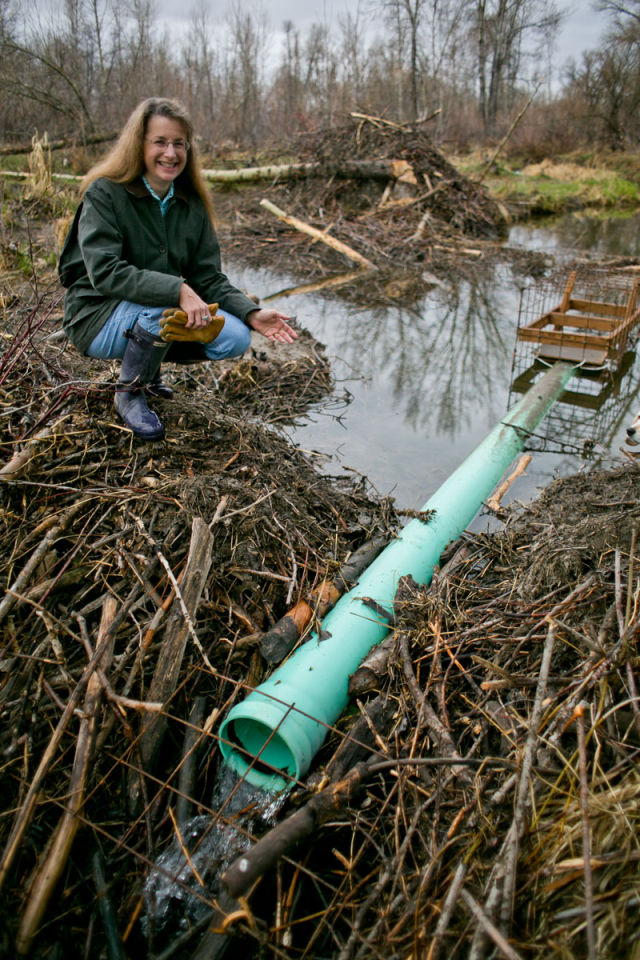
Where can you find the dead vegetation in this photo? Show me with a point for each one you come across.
(480, 797)
(496, 811)
(422, 215)
(89, 517)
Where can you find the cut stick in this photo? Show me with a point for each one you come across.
(317, 234)
(23, 817)
(49, 873)
(494, 500)
(16, 465)
(177, 631)
(277, 642)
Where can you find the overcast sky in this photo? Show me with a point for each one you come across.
(582, 29)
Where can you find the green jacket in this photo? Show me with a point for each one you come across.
(120, 247)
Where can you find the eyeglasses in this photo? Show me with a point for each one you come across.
(180, 146)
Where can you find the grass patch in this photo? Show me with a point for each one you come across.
(546, 195)
(556, 187)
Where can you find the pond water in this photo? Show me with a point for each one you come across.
(610, 236)
(423, 385)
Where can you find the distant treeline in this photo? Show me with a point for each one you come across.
(76, 69)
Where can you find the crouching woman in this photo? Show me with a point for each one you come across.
(143, 245)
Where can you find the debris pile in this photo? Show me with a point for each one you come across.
(481, 792)
(427, 180)
(420, 211)
(138, 579)
(488, 797)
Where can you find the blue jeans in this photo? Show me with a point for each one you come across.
(111, 342)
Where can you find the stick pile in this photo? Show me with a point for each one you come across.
(425, 214)
(137, 582)
(497, 810)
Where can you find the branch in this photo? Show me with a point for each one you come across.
(56, 69)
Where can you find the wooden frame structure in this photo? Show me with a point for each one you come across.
(581, 331)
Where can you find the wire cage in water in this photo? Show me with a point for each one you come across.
(589, 317)
(586, 320)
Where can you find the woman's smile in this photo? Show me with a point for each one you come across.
(163, 159)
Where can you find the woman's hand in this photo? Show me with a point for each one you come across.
(272, 324)
(194, 306)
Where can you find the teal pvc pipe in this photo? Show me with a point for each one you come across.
(275, 732)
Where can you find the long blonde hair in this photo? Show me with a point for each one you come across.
(125, 161)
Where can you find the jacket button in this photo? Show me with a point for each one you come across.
(163, 249)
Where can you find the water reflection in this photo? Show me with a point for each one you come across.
(605, 236)
(426, 380)
(443, 361)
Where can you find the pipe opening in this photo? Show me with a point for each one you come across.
(268, 751)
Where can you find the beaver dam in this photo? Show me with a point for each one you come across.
(480, 797)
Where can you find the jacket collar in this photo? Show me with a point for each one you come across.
(137, 189)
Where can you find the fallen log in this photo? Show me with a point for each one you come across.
(11, 149)
(317, 234)
(25, 175)
(345, 169)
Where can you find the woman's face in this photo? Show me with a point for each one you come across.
(165, 154)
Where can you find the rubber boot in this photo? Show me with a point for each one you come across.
(159, 388)
(141, 361)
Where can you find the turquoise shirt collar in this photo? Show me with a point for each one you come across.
(163, 201)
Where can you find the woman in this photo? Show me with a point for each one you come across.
(142, 242)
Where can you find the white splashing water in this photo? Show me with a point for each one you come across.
(179, 890)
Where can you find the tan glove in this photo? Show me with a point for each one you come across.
(173, 326)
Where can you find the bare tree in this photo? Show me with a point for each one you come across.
(353, 53)
(288, 110)
(408, 19)
(64, 63)
(501, 29)
(77, 68)
(606, 85)
(248, 57)
(447, 25)
(428, 44)
(200, 59)
(320, 65)
(631, 8)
